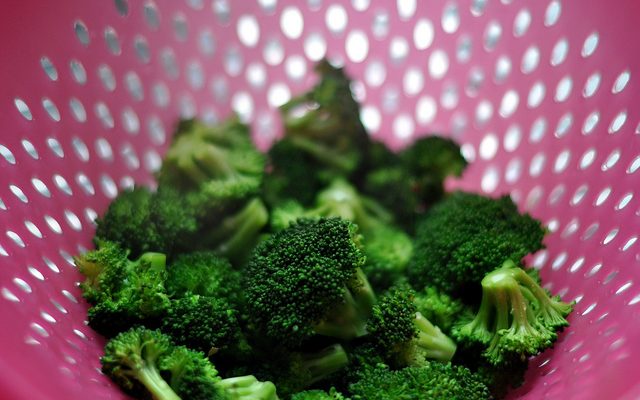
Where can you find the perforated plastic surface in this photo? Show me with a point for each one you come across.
(543, 95)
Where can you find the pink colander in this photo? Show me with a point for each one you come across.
(542, 94)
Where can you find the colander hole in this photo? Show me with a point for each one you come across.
(530, 60)
(49, 68)
(621, 82)
(484, 112)
(104, 115)
(206, 43)
(295, 67)
(73, 220)
(112, 41)
(129, 155)
(77, 110)
(106, 77)
(18, 193)
(521, 23)
(618, 121)
(634, 165)
(336, 18)
(611, 160)
(553, 225)
(488, 146)
(80, 148)
(559, 52)
(41, 187)
(587, 158)
(371, 118)
(222, 10)
(233, 61)
(624, 201)
(23, 108)
(151, 14)
(134, 85)
(537, 164)
(478, 7)
(55, 147)
(127, 182)
(579, 195)
(30, 149)
(503, 68)
(533, 198)
(563, 126)
(268, 6)
(122, 7)
(423, 34)
(160, 94)
(156, 130)
(380, 24)
(15, 238)
(476, 79)
(291, 22)
(556, 194)
(509, 103)
(39, 329)
(426, 110)
(152, 161)
(512, 138)
(196, 4)
(538, 129)
(492, 35)
(141, 47)
(592, 84)
(52, 266)
(69, 296)
(403, 127)
(62, 184)
(490, 180)
(53, 224)
(552, 14)
(51, 109)
(103, 149)
(35, 273)
(449, 97)
(33, 229)
(85, 184)
(90, 215)
(168, 60)
(590, 122)
(130, 121)
(180, 27)
(630, 242)
(7, 294)
(82, 33)
(570, 228)
(513, 170)
(590, 44)
(7, 155)
(590, 231)
(577, 264)
(450, 18)
(562, 161)
(602, 196)
(563, 90)
(610, 236)
(78, 72)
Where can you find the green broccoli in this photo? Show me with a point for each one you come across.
(123, 293)
(516, 319)
(403, 336)
(434, 381)
(440, 308)
(204, 324)
(132, 359)
(429, 161)
(466, 236)
(295, 371)
(387, 248)
(306, 280)
(220, 154)
(332, 394)
(144, 221)
(206, 274)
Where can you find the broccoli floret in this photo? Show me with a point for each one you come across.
(295, 371)
(218, 155)
(332, 394)
(143, 221)
(123, 293)
(466, 236)
(440, 308)
(516, 319)
(403, 336)
(132, 359)
(388, 251)
(191, 375)
(206, 274)
(204, 324)
(434, 381)
(429, 161)
(391, 187)
(306, 280)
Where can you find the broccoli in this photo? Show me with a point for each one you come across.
(403, 336)
(466, 236)
(132, 359)
(332, 394)
(516, 319)
(429, 161)
(387, 248)
(123, 293)
(205, 324)
(218, 155)
(307, 280)
(144, 221)
(206, 274)
(440, 308)
(434, 381)
(295, 371)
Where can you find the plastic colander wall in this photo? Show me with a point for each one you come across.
(543, 95)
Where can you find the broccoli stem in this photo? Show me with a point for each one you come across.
(214, 162)
(363, 293)
(322, 153)
(247, 388)
(345, 322)
(156, 261)
(435, 344)
(243, 227)
(158, 387)
(326, 362)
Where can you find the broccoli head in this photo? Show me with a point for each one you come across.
(516, 319)
(388, 251)
(403, 336)
(204, 273)
(204, 324)
(466, 236)
(142, 221)
(306, 280)
(220, 154)
(123, 293)
(132, 360)
(435, 381)
(332, 394)
(440, 308)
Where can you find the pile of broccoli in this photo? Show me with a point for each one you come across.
(330, 268)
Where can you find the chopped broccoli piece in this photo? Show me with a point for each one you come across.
(516, 319)
(132, 359)
(201, 154)
(440, 308)
(306, 280)
(143, 221)
(332, 394)
(403, 336)
(435, 381)
(388, 251)
(191, 375)
(206, 274)
(466, 236)
(123, 293)
(205, 324)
